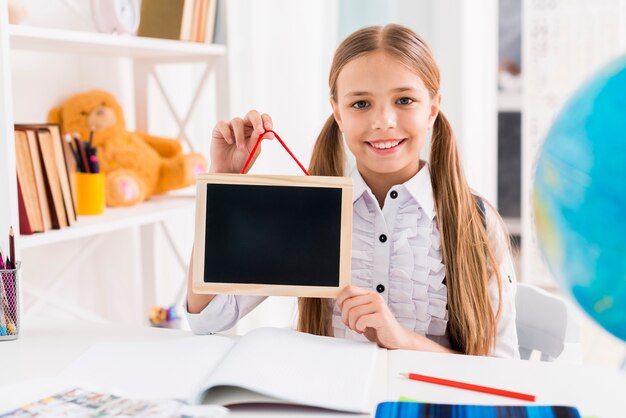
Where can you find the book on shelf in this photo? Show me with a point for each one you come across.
(267, 365)
(35, 153)
(210, 22)
(163, 19)
(72, 169)
(31, 219)
(185, 20)
(197, 18)
(53, 182)
(45, 181)
(62, 167)
(26, 227)
(219, 22)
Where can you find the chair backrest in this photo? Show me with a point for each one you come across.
(545, 323)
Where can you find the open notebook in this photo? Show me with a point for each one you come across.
(267, 364)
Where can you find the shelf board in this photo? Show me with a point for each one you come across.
(157, 209)
(102, 44)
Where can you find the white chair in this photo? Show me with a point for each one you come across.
(545, 323)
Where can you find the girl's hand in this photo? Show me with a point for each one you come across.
(232, 142)
(367, 313)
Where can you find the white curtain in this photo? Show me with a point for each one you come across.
(280, 53)
(279, 56)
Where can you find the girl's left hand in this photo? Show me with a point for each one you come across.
(366, 312)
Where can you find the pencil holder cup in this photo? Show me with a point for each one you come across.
(9, 304)
(90, 193)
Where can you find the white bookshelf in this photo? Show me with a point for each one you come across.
(145, 54)
(30, 38)
(157, 209)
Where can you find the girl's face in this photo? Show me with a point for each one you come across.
(385, 112)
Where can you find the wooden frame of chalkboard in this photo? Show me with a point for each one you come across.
(272, 235)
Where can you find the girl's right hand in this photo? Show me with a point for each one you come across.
(232, 142)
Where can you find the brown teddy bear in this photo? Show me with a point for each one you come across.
(137, 165)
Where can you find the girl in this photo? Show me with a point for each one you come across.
(431, 268)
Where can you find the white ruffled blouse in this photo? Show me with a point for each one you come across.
(407, 267)
(396, 251)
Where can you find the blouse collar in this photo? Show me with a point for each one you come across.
(419, 187)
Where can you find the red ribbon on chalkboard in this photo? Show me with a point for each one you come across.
(258, 141)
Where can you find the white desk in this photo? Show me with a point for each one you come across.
(43, 350)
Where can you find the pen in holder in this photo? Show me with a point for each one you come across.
(9, 303)
(90, 198)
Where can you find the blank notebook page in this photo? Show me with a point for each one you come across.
(301, 368)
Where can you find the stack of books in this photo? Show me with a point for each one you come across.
(45, 190)
(185, 20)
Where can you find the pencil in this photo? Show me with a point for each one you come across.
(81, 153)
(469, 386)
(12, 247)
(93, 164)
(8, 279)
(68, 139)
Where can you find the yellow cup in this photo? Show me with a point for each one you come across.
(89, 194)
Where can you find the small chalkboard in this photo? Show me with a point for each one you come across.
(272, 235)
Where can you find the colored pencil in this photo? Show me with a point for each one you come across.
(81, 153)
(68, 139)
(469, 386)
(12, 247)
(90, 143)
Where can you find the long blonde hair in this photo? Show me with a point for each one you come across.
(467, 256)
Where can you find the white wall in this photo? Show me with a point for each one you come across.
(463, 38)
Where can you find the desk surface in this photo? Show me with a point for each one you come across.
(44, 350)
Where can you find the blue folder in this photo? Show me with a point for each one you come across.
(426, 410)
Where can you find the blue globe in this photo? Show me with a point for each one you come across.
(579, 197)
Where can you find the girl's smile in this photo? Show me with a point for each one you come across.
(387, 146)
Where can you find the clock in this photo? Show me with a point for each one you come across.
(115, 16)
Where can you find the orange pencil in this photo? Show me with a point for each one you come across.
(469, 386)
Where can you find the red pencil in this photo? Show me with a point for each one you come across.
(469, 386)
